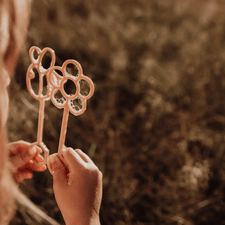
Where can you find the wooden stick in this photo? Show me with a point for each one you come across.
(40, 121)
(63, 129)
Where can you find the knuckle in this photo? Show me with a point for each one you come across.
(96, 172)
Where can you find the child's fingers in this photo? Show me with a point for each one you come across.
(23, 158)
(33, 166)
(22, 176)
(58, 170)
(73, 160)
(38, 167)
(17, 147)
(83, 156)
(38, 149)
(39, 158)
(50, 162)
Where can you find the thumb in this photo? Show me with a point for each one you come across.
(57, 169)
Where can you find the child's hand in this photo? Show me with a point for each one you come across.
(77, 184)
(25, 159)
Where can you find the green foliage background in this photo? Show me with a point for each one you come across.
(156, 124)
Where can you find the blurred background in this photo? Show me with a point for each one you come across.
(155, 125)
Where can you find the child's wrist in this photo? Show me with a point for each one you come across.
(94, 221)
(83, 220)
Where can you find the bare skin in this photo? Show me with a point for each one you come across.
(77, 184)
(25, 158)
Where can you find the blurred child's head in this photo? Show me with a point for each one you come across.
(14, 15)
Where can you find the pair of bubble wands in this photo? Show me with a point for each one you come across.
(56, 78)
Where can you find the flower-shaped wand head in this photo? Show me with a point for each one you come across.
(71, 102)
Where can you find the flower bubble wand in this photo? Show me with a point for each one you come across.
(34, 69)
(74, 103)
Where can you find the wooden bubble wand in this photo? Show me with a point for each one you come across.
(36, 65)
(74, 103)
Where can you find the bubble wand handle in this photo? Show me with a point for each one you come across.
(40, 121)
(63, 130)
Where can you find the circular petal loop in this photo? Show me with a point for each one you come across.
(77, 106)
(69, 96)
(91, 87)
(36, 57)
(75, 103)
(76, 65)
(58, 102)
(33, 57)
(40, 60)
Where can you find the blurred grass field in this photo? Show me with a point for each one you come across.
(155, 125)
